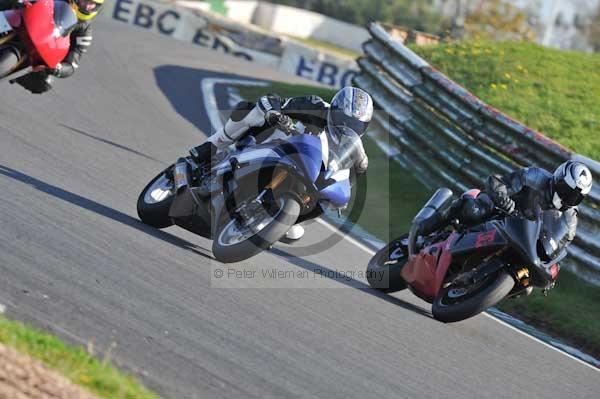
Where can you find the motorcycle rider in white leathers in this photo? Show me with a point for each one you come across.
(350, 112)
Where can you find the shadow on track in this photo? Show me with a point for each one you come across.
(350, 282)
(183, 88)
(102, 210)
(112, 143)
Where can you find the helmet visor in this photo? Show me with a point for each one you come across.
(569, 196)
(88, 6)
(344, 124)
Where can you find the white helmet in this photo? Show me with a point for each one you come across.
(571, 183)
(350, 112)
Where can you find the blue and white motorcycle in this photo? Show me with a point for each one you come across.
(253, 193)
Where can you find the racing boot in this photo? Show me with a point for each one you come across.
(295, 232)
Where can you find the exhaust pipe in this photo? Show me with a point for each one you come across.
(437, 201)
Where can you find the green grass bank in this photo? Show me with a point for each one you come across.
(97, 376)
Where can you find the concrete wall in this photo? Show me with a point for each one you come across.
(237, 10)
(237, 39)
(307, 24)
(241, 10)
(291, 21)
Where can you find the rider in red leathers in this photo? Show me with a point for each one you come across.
(81, 40)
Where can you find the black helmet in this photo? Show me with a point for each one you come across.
(350, 112)
(571, 183)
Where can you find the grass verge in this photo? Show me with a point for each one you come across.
(571, 311)
(98, 377)
(555, 92)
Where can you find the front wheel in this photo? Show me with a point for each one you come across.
(455, 303)
(155, 201)
(254, 228)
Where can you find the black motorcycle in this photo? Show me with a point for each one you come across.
(468, 269)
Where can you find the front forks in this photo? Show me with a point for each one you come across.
(246, 211)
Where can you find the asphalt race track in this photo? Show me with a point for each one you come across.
(75, 260)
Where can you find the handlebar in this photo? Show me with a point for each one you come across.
(284, 123)
(502, 212)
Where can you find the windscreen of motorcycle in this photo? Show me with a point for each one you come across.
(342, 147)
(554, 229)
(65, 18)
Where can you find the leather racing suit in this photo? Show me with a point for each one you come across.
(524, 190)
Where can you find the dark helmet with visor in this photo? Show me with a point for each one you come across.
(572, 181)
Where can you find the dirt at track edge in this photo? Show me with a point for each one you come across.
(22, 377)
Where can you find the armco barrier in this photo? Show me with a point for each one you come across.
(454, 139)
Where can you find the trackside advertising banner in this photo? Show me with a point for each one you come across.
(219, 34)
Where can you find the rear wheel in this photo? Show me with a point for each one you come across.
(8, 61)
(383, 271)
(155, 201)
(254, 227)
(456, 303)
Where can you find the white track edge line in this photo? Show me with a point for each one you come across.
(540, 341)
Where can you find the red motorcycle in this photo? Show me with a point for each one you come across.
(467, 269)
(35, 37)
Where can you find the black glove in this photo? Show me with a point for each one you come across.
(506, 205)
(280, 121)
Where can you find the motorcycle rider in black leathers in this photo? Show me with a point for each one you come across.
(523, 191)
(350, 112)
(81, 39)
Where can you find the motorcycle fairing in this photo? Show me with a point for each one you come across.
(306, 151)
(13, 18)
(339, 192)
(193, 217)
(425, 272)
(486, 238)
(191, 211)
(522, 234)
(302, 153)
(43, 32)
